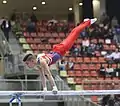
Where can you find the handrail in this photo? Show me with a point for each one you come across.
(4, 45)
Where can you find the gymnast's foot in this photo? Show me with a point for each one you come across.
(91, 20)
(54, 90)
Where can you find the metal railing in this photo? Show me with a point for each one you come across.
(4, 46)
(24, 84)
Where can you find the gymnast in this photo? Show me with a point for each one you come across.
(43, 61)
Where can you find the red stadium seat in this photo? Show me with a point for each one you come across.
(48, 34)
(41, 47)
(61, 35)
(78, 80)
(101, 40)
(48, 46)
(37, 40)
(94, 59)
(77, 67)
(55, 35)
(101, 59)
(34, 46)
(41, 34)
(79, 41)
(71, 73)
(33, 35)
(58, 40)
(72, 59)
(93, 74)
(29, 40)
(78, 73)
(86, 60)
(94, 41)
(86, 73)
(79, 60)
(26, 34)
(84, 67)
(52, 41)
(92, 66)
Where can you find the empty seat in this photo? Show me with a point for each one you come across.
(86, 60)
(92, 66)
(71, 73)
(78, 73)
(94, 59)
(55, 35)
(48, 34)
(101, 59)
(26, 34)
(33, 46)
(40, 34)
(72, 59)
(86, 73)
(52, 41)
(41, 47)
(48, 46)
(77, 67)
(93, 74)
(78, 80)
(33, 35)
(58, 40)
(84, 67)
(29, 40)
(62, 35)
(101, 40)
(79, 59)
(37, 40)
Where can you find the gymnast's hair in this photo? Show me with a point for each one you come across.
(28, 57)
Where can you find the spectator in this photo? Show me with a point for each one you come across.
(62, 65)
(76, 51)
(13, 16)
(111, 101)
(70, 65)
(105, 100)
(53, 21)
(104, 19)
(33, 18)
(110, 71)
(99, 46)
(6, 27)
(114, 22)
(115, 56)
(31, 26)
(117, 71)
(102, 70)
(91, 50)
(85, 45)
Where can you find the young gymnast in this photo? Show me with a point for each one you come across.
(43, 61)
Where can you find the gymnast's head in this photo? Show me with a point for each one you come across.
(29, 60)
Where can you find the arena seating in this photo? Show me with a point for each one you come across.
(86, 69)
